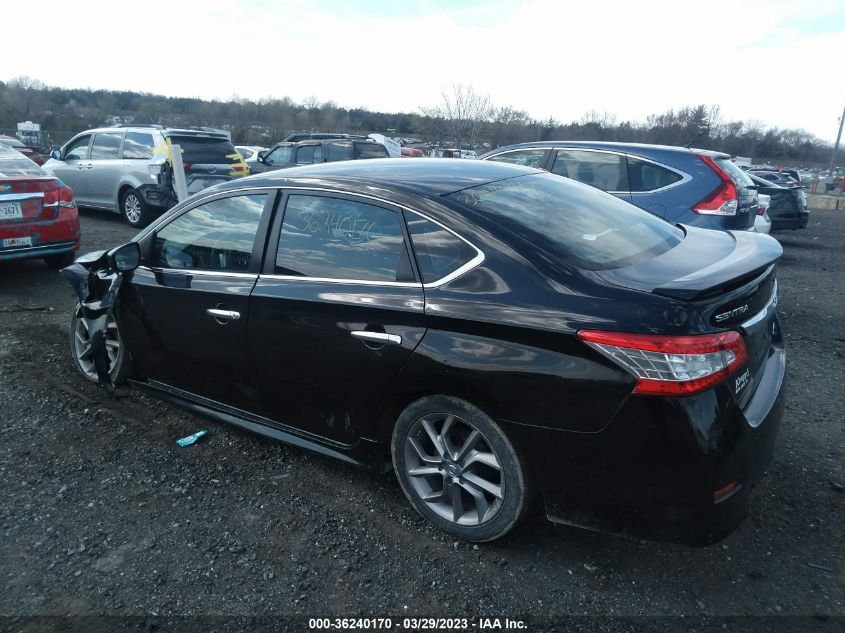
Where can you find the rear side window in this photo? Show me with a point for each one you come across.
(589, 229)
(138, 145)
(526, 157)
(339, 151)
(215, 236)
(439, 252)
(601, 170)
(199, 150)
(106, 146)
(305, 155)
(341, 239)
(246, 153)
(646, 176)
(371, 150)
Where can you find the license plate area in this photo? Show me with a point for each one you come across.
(11, 210)
(16, 242)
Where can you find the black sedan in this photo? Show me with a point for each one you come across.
(788, 207)
(494, 333)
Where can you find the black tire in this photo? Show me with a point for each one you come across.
(489, 519)
(135, 211)
(61, 260)
(119, 368)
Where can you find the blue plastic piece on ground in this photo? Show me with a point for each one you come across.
(187, 441)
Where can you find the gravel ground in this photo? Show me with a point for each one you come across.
(103, 514)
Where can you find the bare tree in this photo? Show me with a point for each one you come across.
(465, 112)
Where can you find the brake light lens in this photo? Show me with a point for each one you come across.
(671, 365)
(723, 200)
(761, 210)
(61, 198)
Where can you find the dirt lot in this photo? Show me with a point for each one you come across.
(103, 514)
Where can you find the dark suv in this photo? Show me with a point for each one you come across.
(296, 137)
(689, 186)
(286, 154)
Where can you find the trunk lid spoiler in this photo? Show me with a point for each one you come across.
(706, 263)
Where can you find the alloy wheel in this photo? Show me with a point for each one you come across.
(84, 352)
(132, 208)
(454, 470)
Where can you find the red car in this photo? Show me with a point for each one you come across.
(38, 215)
(412, 152)
(30, 152)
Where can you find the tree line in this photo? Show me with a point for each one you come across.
(463, 118)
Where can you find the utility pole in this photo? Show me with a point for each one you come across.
(836, 146)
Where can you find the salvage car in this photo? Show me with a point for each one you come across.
(38, 215)
(690, 186)
(128, 169)
(494, 333)
(787, 204)
(285, 155)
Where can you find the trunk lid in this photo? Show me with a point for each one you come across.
(729, 277)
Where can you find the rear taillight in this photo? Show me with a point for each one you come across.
(671, 365)
(61, 198)
(761, 209)
(723, 200)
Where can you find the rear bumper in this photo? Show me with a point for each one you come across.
(653, 471)
(792, 223)
(157, 196)
(48, 237)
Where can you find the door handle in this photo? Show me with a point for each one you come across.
(377, 337)
(223, 315)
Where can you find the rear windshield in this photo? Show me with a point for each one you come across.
(13, 163)
(740, 178)
(11, 142)
(371, 150)
(205, 151)
(572, 221)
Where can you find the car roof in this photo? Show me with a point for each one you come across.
(611, 145)
(165, 131)
(432, 177)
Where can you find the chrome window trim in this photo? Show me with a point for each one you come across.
(685, 177)
(474, 262)
(762, 314)
(201, 273)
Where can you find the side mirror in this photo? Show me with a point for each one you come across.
(125, 258)
(261, 156)
(57, 154)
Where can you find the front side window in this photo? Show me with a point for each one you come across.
(601, 170)
(138, 145)
(78, 149)
(336, 238)
(589, 229)
(439, 252)
(279, 156)
(305, 155)
(646, 176)
(215, 236)
(526, 157)
(106, 146)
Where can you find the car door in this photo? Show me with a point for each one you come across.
(601, 169)
(335, 313)
(185, 311)
(72, 169)
(106, 169)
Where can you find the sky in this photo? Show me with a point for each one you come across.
(776, 61)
